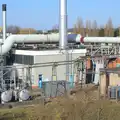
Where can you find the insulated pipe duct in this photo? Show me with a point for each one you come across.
(100, 40)
(53, 38)
(63, 24)
(12, 39)
(4, 21)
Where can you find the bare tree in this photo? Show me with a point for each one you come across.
(13, 29)
(109, 31)
(80, 26)
(94, 28)
(27, 31)
(89, 28)
(119, 30)
(55, 28)
(106, 30)
(75, 30)
(101, 31)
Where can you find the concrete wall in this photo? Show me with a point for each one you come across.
(112, 80)
(49, 56)
(47, 71)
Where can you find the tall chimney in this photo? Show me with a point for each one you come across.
(4, 21)
(63, 24)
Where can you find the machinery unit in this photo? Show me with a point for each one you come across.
(24, 95)
(6, 96)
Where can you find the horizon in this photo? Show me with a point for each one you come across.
(43, 15)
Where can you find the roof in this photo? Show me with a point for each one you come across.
(49, 52)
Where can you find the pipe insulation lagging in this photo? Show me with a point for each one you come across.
(53, 38)
(101, 40)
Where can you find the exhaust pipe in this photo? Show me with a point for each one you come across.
(63, 44)
(63, 24)
(4, 21)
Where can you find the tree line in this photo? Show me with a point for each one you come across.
(17, 30)
(90, 28)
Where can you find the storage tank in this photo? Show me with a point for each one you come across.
(24, 95)
(115, 62)
(6, 96)
(112, 63)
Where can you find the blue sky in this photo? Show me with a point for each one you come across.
(43, 14)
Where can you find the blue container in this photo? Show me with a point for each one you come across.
(113, 92)
(71, 81)
(40, 81)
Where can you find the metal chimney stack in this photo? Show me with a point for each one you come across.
(4, 21)
(63, 24)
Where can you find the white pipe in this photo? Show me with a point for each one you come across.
(63, 24)
(100, 40)
(12, 39)
(4, 21)
(53, 38)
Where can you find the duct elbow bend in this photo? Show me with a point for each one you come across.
(7, 45)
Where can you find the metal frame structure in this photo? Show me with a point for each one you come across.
(103, 50)
(94, 52)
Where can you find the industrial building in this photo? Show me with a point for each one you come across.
(24, 58)
(30, 57)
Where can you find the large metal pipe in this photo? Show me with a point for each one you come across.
(63, 31)
(101, 40)
(12, 39)
(53, 38)
(4, 21)
(63, 24)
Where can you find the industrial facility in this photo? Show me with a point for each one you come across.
(28, 60)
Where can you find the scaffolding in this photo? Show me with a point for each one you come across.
(100, 50)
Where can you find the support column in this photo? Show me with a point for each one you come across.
(54, 72)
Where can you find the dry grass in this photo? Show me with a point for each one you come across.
(84, 106)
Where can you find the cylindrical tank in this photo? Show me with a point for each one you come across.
(111, 63)
(6, 96)
(24, 95)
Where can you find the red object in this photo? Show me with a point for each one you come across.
(82, 39)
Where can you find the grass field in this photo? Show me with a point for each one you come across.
(81, 106)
